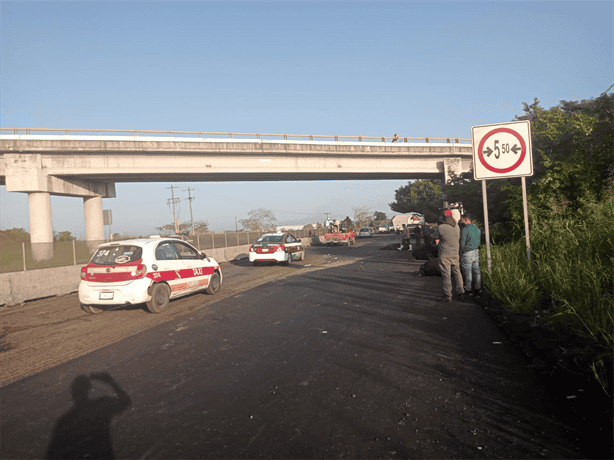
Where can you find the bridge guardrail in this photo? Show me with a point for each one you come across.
(222, 135)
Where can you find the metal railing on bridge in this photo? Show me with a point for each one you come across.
(225, 135)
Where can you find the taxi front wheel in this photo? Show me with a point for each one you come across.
(160, 295)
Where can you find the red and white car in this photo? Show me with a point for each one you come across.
(148, 270)
(276, 247)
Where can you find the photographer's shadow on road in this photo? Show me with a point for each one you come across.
(85, 430)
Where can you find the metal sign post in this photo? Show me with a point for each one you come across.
(107, 218)
(485, 203)
(502, 151)
(526, 216)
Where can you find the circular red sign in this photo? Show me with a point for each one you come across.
(523, 151)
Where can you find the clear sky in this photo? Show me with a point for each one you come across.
(421, 69)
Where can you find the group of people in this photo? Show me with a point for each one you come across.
(458, 252)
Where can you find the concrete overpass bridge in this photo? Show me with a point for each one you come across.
(88, 163)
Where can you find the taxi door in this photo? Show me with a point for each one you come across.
(196, 272)
(293, 246)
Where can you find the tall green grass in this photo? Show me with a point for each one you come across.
(569, 279)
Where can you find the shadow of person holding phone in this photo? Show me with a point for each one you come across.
(85, 430)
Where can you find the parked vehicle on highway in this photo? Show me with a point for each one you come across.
(365, 232)
(411, 220)
(147, 270)
(340, 231)
(385, 228)
(276, 247)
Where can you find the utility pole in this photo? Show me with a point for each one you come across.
(174, 202)
(190, 198)
(327, 213)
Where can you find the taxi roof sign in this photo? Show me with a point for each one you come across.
(502, 150)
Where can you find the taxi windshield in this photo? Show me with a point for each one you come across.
(270, 239)
(115, 255)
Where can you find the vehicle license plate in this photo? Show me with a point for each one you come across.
(106, 296)
(265, 250)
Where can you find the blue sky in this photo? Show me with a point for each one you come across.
(422, 69)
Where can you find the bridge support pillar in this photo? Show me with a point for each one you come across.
(41, 229)
(94, 222)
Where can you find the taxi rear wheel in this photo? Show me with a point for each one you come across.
(89, 309)
(160, 295)
(289, 260)
(214, 284)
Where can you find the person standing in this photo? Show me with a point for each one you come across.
(470, 237)
(447, 237)
(405, 237)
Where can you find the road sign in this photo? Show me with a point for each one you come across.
(107, 217)
(502, 150)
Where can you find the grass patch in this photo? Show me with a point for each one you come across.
(568, 282)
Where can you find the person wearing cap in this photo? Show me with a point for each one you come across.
(447, 237)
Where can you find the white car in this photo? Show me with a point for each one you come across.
(365, 232)
(276, 247)
(148, 270)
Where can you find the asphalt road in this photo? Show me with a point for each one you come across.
(353, 361)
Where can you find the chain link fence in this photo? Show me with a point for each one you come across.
(21, 255)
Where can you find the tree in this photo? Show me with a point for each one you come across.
(200, 227)
(259, 220)
(572, 163)
(379, 217)
(362, 216)
(465, 190)
(63, 236)
(572, 153)
(423, 196)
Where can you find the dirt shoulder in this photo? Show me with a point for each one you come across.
(558, 356)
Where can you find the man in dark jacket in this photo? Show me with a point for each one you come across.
(447, 236)
(470, 236)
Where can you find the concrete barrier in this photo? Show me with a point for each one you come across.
(17, 287)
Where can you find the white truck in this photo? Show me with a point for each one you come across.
(411, 220)
(386, 228)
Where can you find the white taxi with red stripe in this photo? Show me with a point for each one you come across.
(148, 270)
(276, 247)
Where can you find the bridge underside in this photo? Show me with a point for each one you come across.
(257, 177)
